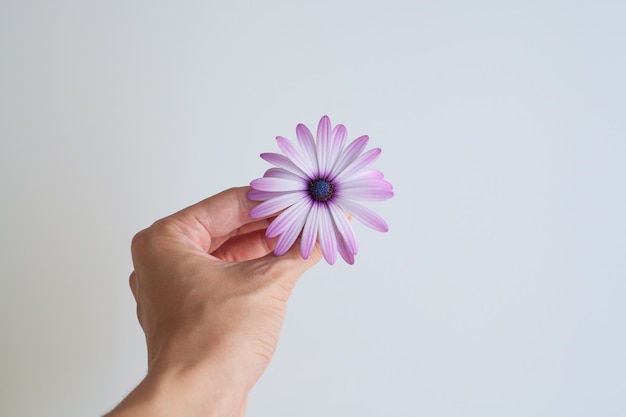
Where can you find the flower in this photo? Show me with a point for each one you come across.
(316, 187)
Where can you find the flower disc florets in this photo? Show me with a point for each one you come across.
(313, 189)
(321, 189)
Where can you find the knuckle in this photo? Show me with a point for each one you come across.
(138, 240)
(132, 282)
(146, 238)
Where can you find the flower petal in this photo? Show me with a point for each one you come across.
(343, 227)
(365, 183)
(307, 143)
(276, 204)
(292, 228)
(336, 145)
(256, 195)
(278, 184)
(360, 163)
(344, 251)
(364, 194)
(283, 162)
(309, 233)
(282, 173)
(364, 215)
(369, 174)
(287, 218)
(351, 153)
(323, 146)
(328, 240)
(292, 153)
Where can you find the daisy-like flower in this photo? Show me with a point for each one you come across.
(316, 187)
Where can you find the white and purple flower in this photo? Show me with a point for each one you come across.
(316, 188)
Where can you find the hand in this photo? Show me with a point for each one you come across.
(211, 299)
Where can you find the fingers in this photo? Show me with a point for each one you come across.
(245, 247)
(240, 236)
(216, 216)
(291, 266)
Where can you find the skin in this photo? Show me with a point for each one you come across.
(211, 299)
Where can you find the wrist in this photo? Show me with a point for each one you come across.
(176, 391)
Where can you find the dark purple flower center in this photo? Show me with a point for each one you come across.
(321, 189)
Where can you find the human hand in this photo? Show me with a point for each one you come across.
(211, 299)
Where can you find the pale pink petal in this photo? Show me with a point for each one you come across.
(287, 218)
(364, 215)
(336, 145)
(344, 251)
(309, 233)
(307, 143)
(292, 229)
(346, 242)
(343, 227)
(277, 204)
(283, 162)
(328, 240)
(365, 183)
(292, 153)
(351, 153)
(256, 195)
(367, 174)
(364, 194)
(282, 173)
(323, 146)
(359, 164)
(278, 184)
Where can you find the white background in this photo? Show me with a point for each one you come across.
(500, 288)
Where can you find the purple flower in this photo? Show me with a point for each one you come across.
(316, 187)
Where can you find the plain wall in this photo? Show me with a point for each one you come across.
(499, 289)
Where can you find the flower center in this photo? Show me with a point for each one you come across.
(321, 189)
